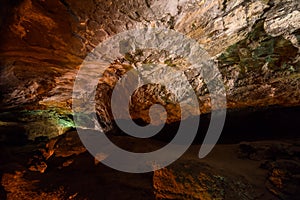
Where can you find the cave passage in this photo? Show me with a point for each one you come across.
(272, 123)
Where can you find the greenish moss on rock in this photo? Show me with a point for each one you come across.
(39, 123)
(259, 49)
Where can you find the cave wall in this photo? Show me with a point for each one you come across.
(255, 45)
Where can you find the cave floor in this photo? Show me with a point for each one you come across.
(61, 168)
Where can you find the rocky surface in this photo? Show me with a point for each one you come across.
(281, 159)
(254, 43)
(61, 168)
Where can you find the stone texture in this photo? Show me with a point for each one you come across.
(254, 43)
(198, 181)
(281, 159)
(35, 124)
(61, 168)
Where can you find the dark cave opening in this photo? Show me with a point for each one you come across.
(243, 125)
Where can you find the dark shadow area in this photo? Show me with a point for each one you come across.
(2, 190)
(92, 181)
(270, 123)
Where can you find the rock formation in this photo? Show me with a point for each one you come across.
(254, 44)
